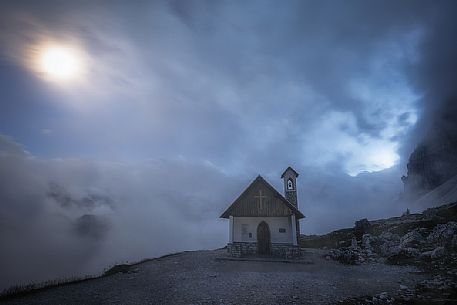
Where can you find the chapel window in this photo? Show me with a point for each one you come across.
(244, 229)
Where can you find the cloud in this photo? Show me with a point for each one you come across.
(207, 81)
(62, 217)
(358, 152)
(435, 77)
(65, 217)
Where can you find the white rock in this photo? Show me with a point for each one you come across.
(443, 234)
(389, 236)
(412, 238)
(354, 243)
(383, 295)
(367, 240)
(438, 252)
(426, 254)
(388, 249)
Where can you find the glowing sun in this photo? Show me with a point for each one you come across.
(60, 63)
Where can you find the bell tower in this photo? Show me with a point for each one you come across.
(290, 190)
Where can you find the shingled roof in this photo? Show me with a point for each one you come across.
(247, 205)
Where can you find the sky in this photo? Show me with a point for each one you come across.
(171, 108)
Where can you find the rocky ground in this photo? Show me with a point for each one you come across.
(200, 278)
(427, 241)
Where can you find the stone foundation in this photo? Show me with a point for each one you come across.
(240, 249)
(285, 251)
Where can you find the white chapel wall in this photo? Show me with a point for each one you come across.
(242, 226)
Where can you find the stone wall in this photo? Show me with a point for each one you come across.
(240, 249)
(285, 251)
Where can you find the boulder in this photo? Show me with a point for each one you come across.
(362, 226)
(389, 248)
(347, 255)
(368, 241)
(411, 239)
(354, 244)
(389, 236)
(443, 234)
(404, 255)
(387, 244)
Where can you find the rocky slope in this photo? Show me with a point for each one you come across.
(427, 240)
(430, 165)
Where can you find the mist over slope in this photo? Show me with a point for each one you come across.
(61, 218)
(67, 217)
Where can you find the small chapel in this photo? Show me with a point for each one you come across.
(264, 222)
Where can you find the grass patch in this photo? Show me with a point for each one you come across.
(123, 268)
(22, 290)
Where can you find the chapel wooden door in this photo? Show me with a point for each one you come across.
(263, 238)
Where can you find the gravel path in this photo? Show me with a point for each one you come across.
(197, 278)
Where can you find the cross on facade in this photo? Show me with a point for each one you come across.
(260, 196)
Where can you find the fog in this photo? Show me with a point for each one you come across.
(182, 104)
(67, 217)
(70, 217)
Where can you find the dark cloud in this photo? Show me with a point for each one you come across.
(89, 201)
(187, 101)
(92, 226)
(434, 140)
(434, 75)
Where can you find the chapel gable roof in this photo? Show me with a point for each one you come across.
(260, 199)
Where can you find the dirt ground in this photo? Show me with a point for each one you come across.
(199, 278)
